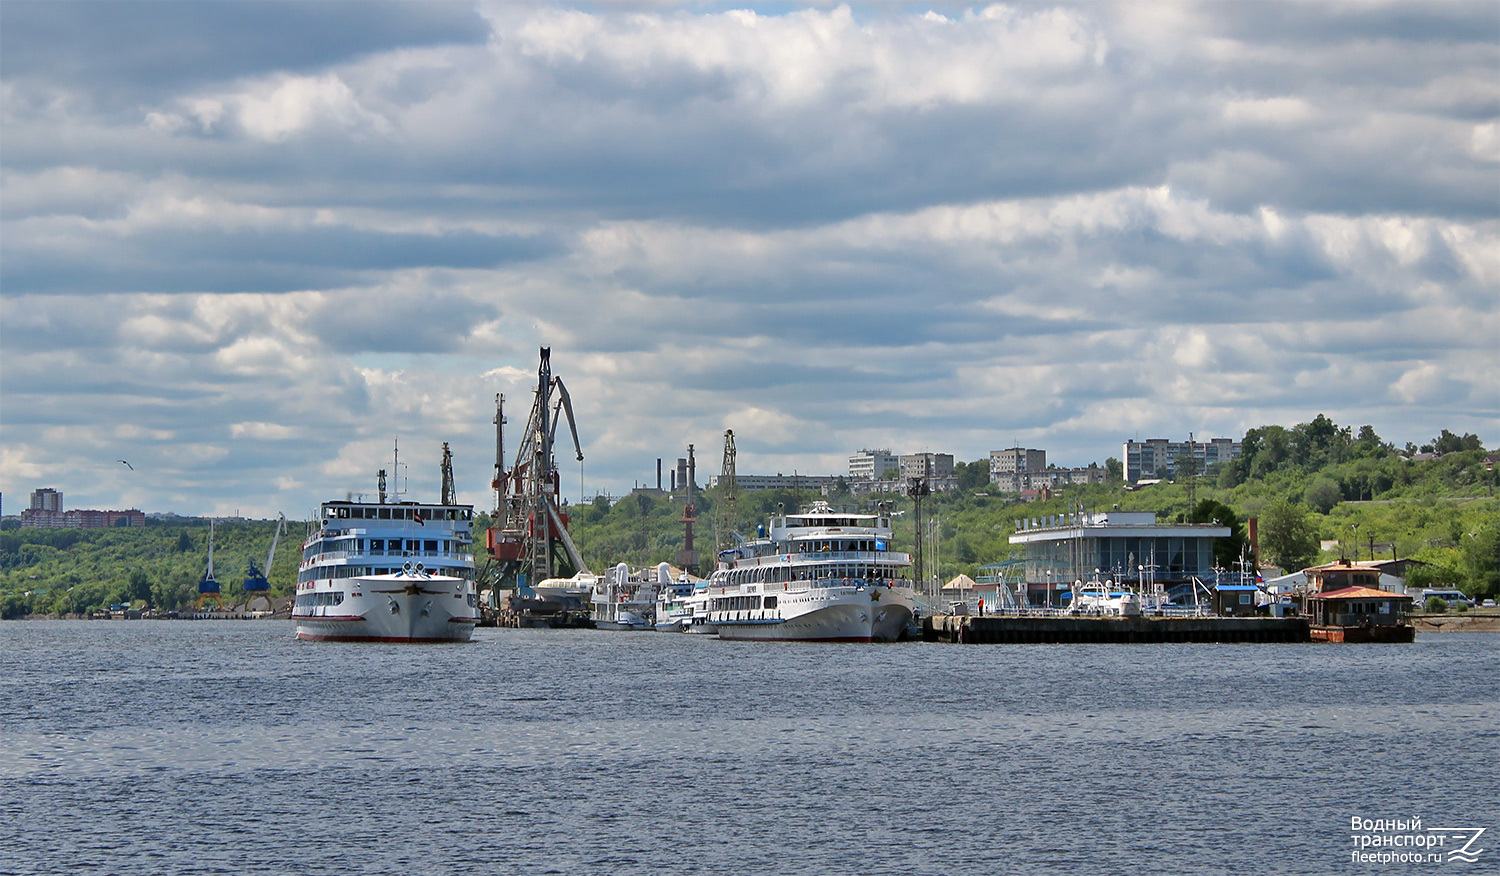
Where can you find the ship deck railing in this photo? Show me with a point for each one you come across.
(850, 584)
(344, 555)
(898, 557)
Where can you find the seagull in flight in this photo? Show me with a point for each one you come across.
(126, 464)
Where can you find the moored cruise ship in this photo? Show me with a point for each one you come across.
(388, 572)
(822, 575)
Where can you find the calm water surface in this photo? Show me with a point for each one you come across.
(225, 747)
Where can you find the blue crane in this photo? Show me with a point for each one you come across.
(256, 585)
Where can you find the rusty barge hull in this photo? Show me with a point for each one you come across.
(1352, 635)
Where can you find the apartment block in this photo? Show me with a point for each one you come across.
(1011, 470)
(926, 465)
(1157, 457)
(871, 464)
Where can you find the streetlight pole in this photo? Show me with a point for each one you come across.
(1356, 541)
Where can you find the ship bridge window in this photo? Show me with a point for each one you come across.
(385, 514)
(430, 546)
(307, 600)
(770, 602)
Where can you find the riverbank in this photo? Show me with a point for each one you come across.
(1471, 622)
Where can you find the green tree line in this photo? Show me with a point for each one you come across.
(75, 571)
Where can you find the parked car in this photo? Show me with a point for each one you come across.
(1452, 597)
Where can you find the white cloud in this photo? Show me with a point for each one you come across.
(825, 229)
(291, 105)
(1270, 111)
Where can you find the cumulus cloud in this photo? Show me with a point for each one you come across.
(265, 242)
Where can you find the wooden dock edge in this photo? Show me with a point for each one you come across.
(1020, 630)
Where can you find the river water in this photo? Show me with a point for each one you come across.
(230, 747)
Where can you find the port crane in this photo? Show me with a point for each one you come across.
(208, 585)
(530, 540)
(256, 586)
(724, 519)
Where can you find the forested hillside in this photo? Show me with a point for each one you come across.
(1311, 482)
(69, 571)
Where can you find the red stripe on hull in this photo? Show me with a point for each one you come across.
(313, 618)
(863, 640)
(312, 637)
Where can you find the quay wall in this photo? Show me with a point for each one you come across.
(1005, 630)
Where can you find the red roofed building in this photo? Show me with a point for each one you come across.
(1359, 614)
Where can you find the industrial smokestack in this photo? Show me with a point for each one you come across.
(658, 474)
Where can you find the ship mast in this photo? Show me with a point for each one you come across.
(449, 493)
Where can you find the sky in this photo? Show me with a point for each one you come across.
(248, 246)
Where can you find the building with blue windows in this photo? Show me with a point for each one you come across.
(1123, 546)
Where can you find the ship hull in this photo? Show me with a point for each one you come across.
(1357, 634)
(400, 617)
(852, 618)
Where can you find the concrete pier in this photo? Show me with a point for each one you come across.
(1022, 629)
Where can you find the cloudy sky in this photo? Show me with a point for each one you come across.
(247, 245)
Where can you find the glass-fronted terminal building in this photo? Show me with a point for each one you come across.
(1125, 546)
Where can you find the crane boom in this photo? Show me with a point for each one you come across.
(275, 537)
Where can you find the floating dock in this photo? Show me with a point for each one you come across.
(1032, 630)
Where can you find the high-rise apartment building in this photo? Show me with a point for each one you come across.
(47, 499)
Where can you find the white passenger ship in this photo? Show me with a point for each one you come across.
(818, 576)
(388, 572)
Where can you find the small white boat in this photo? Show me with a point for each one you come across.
(1101, 599)
(674, 606)
(625, 600)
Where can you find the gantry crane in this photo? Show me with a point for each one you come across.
(530, 524)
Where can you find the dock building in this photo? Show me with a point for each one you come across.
(1125, 546)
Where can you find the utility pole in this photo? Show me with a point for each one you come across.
(497, 483)
(1192, 473)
